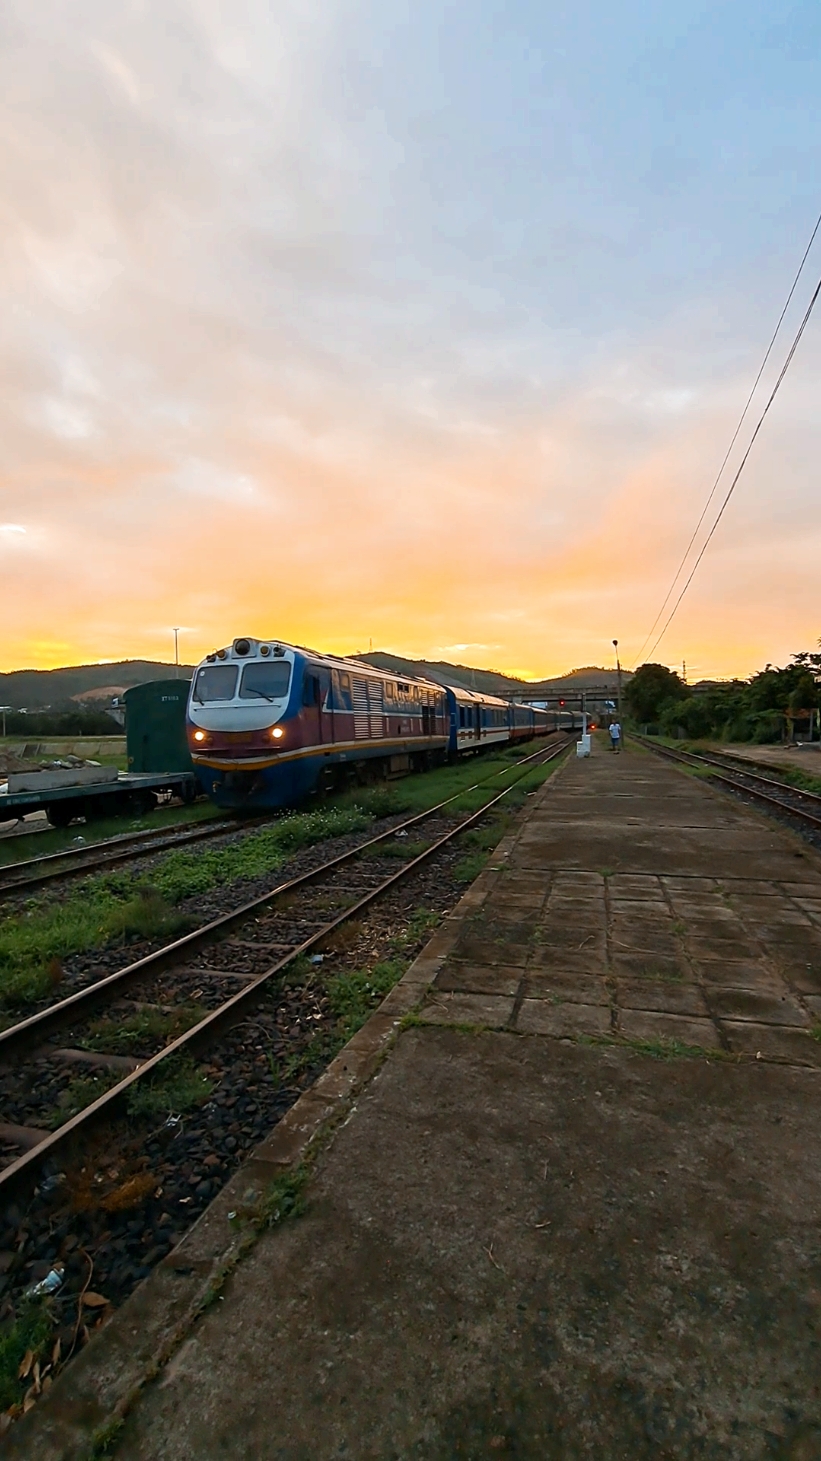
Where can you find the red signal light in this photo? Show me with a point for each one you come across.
(561, 702)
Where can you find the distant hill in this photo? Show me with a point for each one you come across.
(63, 689)
(492, 682)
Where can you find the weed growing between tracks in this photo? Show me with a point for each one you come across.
(118, 906)
(177, 1086)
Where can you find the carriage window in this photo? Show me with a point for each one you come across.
(268, 680)
(214, 682)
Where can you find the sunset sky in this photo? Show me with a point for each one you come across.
(423, 323)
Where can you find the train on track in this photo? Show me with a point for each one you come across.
(268, 723)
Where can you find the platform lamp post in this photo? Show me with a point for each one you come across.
(618, 679)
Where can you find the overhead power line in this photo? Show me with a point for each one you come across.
(720, 474)
(785, 367)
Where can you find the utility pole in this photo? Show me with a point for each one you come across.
(618, 677)
(177, 652)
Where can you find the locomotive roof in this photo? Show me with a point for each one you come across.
(351, 663)
(331, 661)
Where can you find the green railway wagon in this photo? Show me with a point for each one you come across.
(155, 726)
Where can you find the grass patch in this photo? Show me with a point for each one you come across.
(284, 1199)
(468, 868)
(182, 874)
(120, 905)
(80, 1093)
(30, 1331)
(660, 1049)
(380, 801)
(104, 1440)
(421, 923)
(174, 1087)
(426, 789)
(351, 997)
(816, 1033)
(32, 945)
(141, 1031)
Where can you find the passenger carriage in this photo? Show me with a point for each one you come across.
(476, 721)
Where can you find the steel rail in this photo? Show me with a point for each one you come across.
(20, 1037)
(22, 1171)
(691, 758)
(717, 758)
(108, 853)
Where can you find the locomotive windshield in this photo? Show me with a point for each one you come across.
(265, 680)
(215, 682)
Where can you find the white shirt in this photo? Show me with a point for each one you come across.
(615, 731)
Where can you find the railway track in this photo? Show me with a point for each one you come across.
(188, 996)
(801, 807)
(35, 872)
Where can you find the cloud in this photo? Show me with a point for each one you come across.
(306, 334)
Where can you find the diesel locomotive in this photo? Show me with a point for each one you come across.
(268, 723)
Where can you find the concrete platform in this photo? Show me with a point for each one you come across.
(575, 1213)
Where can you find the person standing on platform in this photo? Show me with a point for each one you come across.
(615, 735)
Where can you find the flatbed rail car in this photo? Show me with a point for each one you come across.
(78, 796)
(159, 766)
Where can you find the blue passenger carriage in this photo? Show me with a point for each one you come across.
(476, 721)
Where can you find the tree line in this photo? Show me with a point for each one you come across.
(39, 724)
(755, 710)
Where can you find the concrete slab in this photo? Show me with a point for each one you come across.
(490, 1010)
(545, 1017)
(565, 1262)
(577, 988)
(761, 1006)
(772, 1042)
(499, 979)
(665, 997)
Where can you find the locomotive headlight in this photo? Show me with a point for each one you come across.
(199, 735)
(277, 732)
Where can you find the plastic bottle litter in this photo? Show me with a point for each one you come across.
(48, 1285)
(316, 959)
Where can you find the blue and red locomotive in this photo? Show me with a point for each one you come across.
(269, 722)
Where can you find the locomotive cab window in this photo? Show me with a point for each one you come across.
(214, 682)
(265, 681)
(310, 690)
